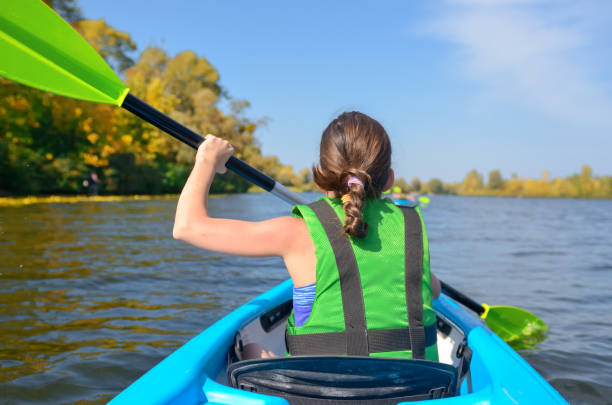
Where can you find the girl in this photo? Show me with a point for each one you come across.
(359, 264)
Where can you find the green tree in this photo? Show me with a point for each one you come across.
(585, 182)
(113, 45)
(416, 184)
(472, 183)
(496, 182)
(402, 184)
(305, 181)
(435, 186)
(50, 143)
(68, 9)
(586, 175)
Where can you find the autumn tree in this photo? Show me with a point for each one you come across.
(68, 9)
(48, 144)
(472, 183)
(416, 184)
(402, 184)
(496, 181)
(436, 186)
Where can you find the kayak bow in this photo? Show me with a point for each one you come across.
(196, 372)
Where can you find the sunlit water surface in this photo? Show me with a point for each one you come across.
(94, 294)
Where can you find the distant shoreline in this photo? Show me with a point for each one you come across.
(73, 199)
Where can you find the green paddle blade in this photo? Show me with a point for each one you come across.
(39, 49)
(519, 328)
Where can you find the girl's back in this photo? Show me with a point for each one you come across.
(355, 158)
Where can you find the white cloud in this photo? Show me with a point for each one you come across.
(537, 53)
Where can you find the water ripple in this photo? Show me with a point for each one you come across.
(93, 294)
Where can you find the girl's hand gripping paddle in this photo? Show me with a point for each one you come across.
(39, 49)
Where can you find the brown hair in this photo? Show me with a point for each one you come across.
(354, 144)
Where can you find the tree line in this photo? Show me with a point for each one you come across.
(55, 145)
(580, 185)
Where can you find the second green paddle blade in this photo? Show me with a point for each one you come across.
(517, 327)
(39, 49)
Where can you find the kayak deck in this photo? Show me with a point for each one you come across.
(196, 372)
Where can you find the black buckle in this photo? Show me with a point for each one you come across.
(437, 393)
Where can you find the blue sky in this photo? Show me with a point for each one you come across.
(516, 85)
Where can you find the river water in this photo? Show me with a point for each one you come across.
(94, 294)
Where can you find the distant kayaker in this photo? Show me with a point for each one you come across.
(359, 263)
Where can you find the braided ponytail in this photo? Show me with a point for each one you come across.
(355, 162)
(353, 202)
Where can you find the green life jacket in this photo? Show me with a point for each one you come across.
(373, 295)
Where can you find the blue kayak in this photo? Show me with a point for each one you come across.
(205, 368)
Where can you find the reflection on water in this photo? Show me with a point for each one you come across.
(93, 294)
(89, 293)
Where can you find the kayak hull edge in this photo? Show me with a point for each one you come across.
(180, 378)
(190, 375)
(499, 374)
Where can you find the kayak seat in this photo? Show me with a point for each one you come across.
(345, 379)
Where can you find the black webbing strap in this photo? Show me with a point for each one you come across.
(464, 367)
(303, 400)
(356, 334)
(414, 273)
(391, 340)
(334, 343)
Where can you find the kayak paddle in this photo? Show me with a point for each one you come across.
(39, 49)
(519, 328)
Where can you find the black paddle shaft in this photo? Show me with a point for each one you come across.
(463, 299)
(153, 116)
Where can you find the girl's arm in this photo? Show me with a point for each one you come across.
(275, 237)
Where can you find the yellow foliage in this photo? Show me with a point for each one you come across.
(154, 91)
(582, 185)
(185, 87)
(107, 150)
(107, 41)
(20, 104)
(94, 160)
(55, 199)
(93, 137)
(86, 125)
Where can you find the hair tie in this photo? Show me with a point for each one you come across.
(346, 198)
(354, 180)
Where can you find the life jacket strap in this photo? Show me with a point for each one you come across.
(334, 343)
(356, 334)
(356, 339)
(413, 275)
